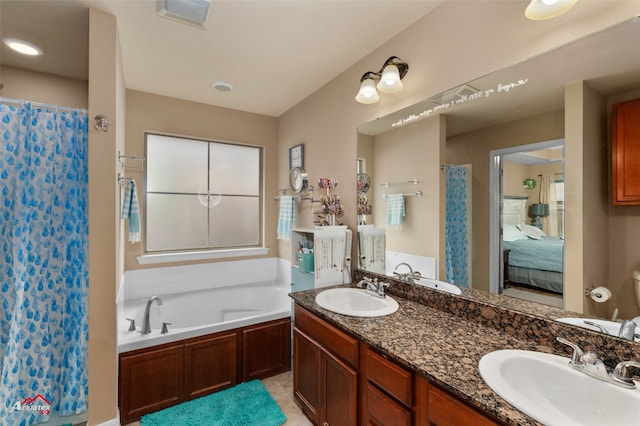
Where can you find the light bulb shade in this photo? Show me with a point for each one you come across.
(367, 93)
(544, 9)
(390, 80)
(538, 209)
(22, 46)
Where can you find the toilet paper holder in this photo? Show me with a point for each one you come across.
(598, 293)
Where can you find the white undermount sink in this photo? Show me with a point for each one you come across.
(356, 302)
(544, 387)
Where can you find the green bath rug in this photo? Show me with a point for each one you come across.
(247, 404)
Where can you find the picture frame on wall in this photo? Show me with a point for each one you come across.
(296, 156)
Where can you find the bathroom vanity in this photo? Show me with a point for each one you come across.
(419, 365)
(338, 379)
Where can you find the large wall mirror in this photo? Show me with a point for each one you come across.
(519, 123)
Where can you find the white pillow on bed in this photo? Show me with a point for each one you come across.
(531, 231)
(512, 233)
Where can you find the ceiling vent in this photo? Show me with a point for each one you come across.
(191, 12)
(457, 93)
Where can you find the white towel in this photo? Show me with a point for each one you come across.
(131, 212)
(285, 221)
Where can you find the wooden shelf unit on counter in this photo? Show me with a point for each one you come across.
(158, 377)
(625, 153)
(339, 380)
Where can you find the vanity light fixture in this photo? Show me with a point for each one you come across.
(22, 46)
(389, 80)
(546, 9)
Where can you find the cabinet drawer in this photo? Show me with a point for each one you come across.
(446, 410)
(385, 411)
(395, 380)
(341, 344)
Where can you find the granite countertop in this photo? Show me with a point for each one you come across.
(442, 347)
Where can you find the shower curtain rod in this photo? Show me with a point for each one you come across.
(40, 104)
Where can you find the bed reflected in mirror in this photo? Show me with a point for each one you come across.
(529, 208)
(533, 223)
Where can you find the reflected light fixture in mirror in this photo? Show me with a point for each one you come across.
(546, 9)
(389, 80)
(22, 46)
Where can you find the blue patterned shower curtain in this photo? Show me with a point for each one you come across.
(456, 232)
(43, 264)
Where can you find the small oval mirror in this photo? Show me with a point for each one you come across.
(298, 180)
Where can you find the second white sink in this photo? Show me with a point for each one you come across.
(356, 302)
(544, 387)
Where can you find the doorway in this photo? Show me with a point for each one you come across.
(527, 221)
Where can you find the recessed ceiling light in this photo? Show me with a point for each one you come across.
(22, 46)
(222, 86)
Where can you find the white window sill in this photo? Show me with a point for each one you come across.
(148, 259)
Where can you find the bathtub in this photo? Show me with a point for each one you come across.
(201, 299)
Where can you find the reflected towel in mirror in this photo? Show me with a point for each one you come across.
(395, 209)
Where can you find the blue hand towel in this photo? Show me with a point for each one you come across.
(395, 209)
(285, 221)
(131, 212)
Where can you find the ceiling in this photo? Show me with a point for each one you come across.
(273, 53)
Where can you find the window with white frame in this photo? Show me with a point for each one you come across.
(202, 194)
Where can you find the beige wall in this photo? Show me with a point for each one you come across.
(106, 93)
(473, 148)
(416, 149)
(38, 87)
(514, 174)
(153, 113)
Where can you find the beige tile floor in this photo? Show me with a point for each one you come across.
(281, 388)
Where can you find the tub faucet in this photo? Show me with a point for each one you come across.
(408, 277)
(146, 325)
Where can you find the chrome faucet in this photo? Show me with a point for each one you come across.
(146, 325)
(409, 277)
(589, 364)
(621, 375)
(628, 330)
(374, 286)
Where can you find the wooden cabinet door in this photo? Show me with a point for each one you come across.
(625, 152)
(339, 391)
(266, 349)
(210, 365)
(445, 410)
(150, 381)
(306, 374)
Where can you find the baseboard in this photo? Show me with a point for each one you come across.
(112, 422)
